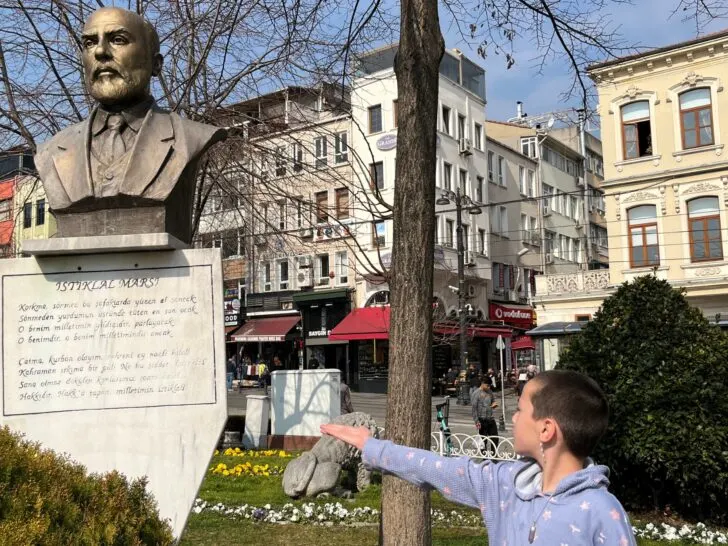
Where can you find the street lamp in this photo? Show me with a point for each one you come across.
(461, 201)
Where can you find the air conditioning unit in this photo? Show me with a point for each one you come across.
(471, 291)
(465, 147)
(546, 211)
(549, 258)
(305, 278)
(305, 233)
(469, 258)
(580, 181)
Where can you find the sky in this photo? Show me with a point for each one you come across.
(646, 24)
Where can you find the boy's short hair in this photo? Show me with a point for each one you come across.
(576, 403)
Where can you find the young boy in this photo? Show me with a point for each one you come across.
(554, 496)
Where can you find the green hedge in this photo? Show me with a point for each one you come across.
(664, 369)
(46, 499)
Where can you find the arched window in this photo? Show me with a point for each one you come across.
(379, 298)
(704, 224)
(644, 250)
(696, 118)
(636, 130)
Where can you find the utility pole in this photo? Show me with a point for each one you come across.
(461, 280)
(587, 224)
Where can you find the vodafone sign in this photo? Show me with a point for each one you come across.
(520, 316)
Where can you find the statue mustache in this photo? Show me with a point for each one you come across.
(105, 68)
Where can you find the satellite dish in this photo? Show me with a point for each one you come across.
(551, 122)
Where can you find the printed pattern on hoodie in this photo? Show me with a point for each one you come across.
(580, 512)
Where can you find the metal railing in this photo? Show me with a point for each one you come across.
(498, 448)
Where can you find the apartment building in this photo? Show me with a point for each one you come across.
(666, 181)
(560, 187)
(283, 218)
(462, 168)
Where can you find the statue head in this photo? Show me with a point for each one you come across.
(120, 56)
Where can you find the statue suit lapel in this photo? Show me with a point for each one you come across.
(152, 148)
(72, 162)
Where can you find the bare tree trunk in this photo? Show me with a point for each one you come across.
(406, 508)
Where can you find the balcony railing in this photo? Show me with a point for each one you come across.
(583, 281)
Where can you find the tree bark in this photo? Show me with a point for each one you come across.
(406, 508)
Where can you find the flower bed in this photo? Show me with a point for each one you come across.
(334, 513)
(237, 452)
(247, 469)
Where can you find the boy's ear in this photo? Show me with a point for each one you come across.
(548, 430)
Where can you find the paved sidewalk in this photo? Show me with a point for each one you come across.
(375, 404)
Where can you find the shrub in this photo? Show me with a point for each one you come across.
(664, 369)
(46, 499)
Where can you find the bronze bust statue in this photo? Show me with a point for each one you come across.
(131, 166)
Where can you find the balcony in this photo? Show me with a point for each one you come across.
(572, 283)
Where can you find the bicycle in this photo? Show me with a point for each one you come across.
(443, 413)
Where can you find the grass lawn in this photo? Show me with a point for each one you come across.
(209, 529)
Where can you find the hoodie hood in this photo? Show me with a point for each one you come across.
(529, 478)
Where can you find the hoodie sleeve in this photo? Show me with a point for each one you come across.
(458, 479)
(613, 525)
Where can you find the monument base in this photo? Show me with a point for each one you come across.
(103, 244)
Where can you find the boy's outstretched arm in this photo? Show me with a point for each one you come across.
(458, 479)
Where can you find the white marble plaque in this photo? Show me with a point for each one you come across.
(118, 360)
(110, 339)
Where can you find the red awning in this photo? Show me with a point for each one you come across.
(362, 324)
(6, 232)
(7, 189)
(523, 343)
(265, 329)
(473, 331)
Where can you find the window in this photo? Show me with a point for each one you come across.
(461, 127)
(696, 118)
(704, 220)
(380, 234)
(6, 209)
(643, 244)
(478, 136)
(582, 318)
(490, 167)
(341, 149)
(464, 182)
(322, 269)
(299, 212)
(28, 215)
(297, 157)
(574, 209)
(342, 203)
(321, 145)
(263, 218)
(322, 203)
(548, 196)
(446, 120)
(376, 172)
(265, 276)
(522, 181)
(501, 171)
(341, 266)
(395, 113)
(528, 147)
(283, 275)
(479, 189)
(282, 215)
(531, 184)
(499, 220)
(449, 229)
(636, 131)
(281, 161)
(375, 119)
(40, 207)
(447, 176)
(482, 242)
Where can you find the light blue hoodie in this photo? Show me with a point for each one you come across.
(580, 512)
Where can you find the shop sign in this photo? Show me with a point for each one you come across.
(319, 333)
(387, 142)
(231, 293)
(232, 312)
(520, 317)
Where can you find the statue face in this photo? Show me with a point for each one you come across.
(117, 57)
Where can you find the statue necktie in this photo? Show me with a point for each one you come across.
(114, 146)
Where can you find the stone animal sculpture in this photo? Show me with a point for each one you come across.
(317, 471)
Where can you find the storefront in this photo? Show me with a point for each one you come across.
(269, 339)
(520, 350)
(321, 311)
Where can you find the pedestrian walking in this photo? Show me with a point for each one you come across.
(473, 379)
(555, 494)
(483, 403)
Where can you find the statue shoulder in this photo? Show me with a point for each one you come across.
(198, 136)
(61, 139)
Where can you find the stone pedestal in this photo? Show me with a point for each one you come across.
(118, 359)
(257, 412)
